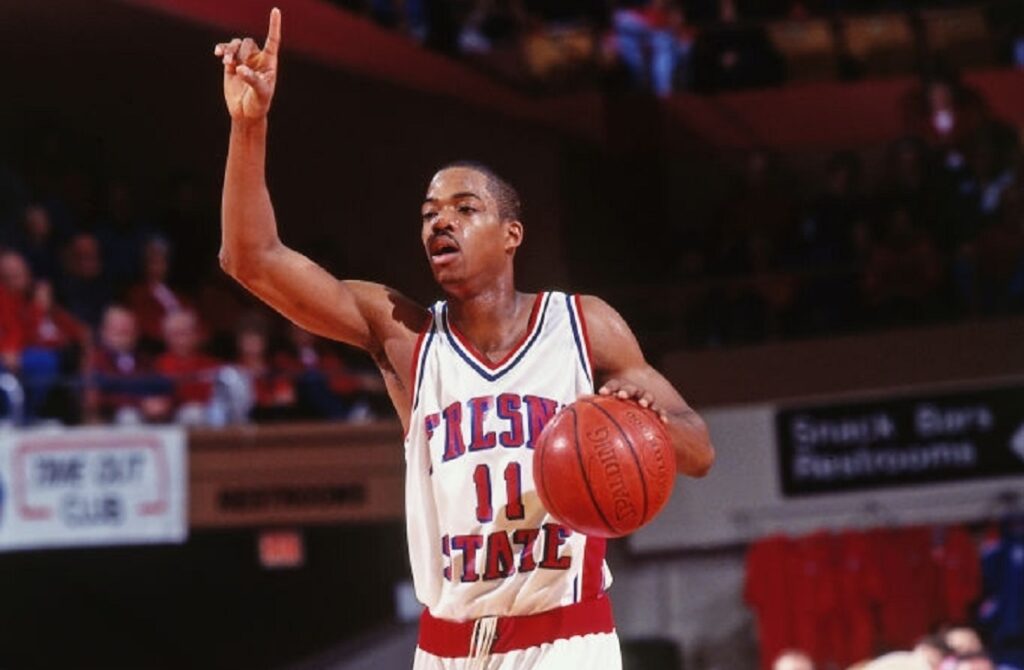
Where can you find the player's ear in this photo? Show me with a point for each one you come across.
(513, 235)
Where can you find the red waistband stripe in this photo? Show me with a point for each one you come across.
(451, 639)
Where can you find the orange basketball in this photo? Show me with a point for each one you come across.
(604, 466)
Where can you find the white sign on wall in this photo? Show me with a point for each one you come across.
(745, 497)
(89, 486)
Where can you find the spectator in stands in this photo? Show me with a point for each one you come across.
(16, 280)
(122, 234)
(990, 270)
(753, 227)
(44, 323)
(1006, 22)
(653, 42)
(274, 394)
(489, 25)
(944, 112)
(990, 171)
(52, 341)
(933, 651)
(837, 220)
(907, 181)
(51, 326)
(559, 41)
(979, 187)
(964, 641)
(903, 272)
(222, 303)
(189, 369)
(192, 228)
(15, 274)
(121, 384)
(12, 336)
(755, 220)
(733, 55)
(84, 289)
(831, 242)
(326, 386)
(152, 299)
(793, 660)
(36, 240)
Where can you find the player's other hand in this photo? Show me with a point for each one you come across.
(627, 391)
(250, 73)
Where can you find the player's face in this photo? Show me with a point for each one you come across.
(465, 238)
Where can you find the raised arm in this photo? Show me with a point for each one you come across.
(621, 370)
(360, 313)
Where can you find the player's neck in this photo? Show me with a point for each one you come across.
(493, 320)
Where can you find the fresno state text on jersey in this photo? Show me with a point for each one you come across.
(480, 541)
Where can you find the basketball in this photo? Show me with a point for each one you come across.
(604, 466)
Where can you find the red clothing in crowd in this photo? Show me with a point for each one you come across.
(12, 336)
(861, 588)
(106, 364)
(815, 595)
(843, 598)
(959, 575)
(150, 303)
(192, 375)
(52, 329)
(340, 378)
(273, 388)
(910, 606)
(767, 590)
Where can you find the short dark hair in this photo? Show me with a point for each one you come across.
(509, 207)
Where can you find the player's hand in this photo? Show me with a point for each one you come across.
(627, 391)
(250, 73)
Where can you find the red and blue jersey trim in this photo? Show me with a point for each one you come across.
(477, 361)
(579, 334)
(423, 343)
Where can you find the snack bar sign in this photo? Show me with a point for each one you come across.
(901, 441)
(92, 487)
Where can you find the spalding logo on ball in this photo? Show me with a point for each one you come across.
(604, 466)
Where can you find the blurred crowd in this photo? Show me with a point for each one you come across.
(658, 45)
(936, 234)
(929, 597)
(111, 310)
(114, 312)
(953, 648)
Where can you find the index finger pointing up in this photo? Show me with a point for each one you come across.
(273, 32)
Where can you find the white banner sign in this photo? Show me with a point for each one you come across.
(89, 486)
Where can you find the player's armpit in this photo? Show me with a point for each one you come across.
(620, 369)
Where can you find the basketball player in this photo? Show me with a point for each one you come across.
(474, 379)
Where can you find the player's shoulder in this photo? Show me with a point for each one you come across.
(613, 346)
(590, 307)
(596, 309)
(608, 332)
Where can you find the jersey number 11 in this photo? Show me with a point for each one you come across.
(513, 492)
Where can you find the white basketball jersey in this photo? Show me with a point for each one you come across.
(480, 541)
